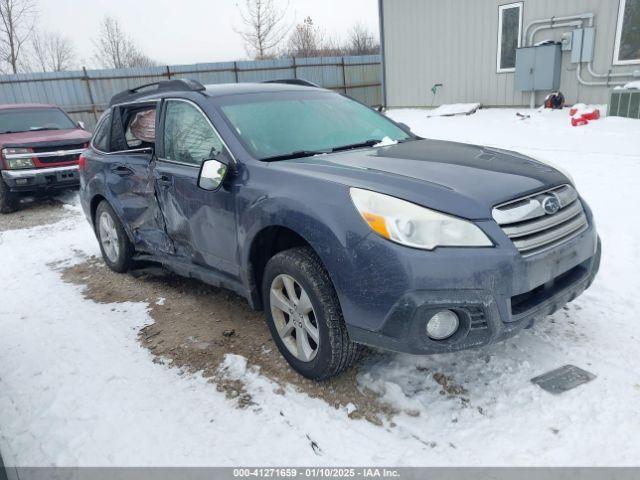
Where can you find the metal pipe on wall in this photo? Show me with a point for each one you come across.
(593, 84)
(635, 73)
(577, 23)
(550, 21)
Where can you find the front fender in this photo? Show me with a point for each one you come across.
(324, 217)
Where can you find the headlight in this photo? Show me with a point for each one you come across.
(415, 226)
(16, 163)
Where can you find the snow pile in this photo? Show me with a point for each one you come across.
(385, 142)
(635, 85)
(454, 109)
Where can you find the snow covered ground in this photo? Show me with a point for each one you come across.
(76, 387)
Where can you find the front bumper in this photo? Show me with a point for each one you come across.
(496, 292)
(38, 179)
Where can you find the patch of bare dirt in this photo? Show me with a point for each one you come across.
(195, 325)
(34, 212)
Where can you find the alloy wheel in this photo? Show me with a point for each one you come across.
(109, 237)
(294, 317)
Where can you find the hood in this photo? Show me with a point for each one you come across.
(45, 137)
(461, 179)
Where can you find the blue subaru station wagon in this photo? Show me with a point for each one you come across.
(342, 225)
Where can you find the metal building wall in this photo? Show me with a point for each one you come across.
(84, 94)
(454, 42)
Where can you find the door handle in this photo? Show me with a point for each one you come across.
(165, 180)
(121, 170)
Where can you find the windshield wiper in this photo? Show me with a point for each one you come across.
(38, 129)
(296, 154)
(366, 143)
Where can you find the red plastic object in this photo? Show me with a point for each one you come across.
(579, 121)
(573, 111)
(592, 115)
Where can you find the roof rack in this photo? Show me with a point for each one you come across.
(294, 81)
(178, 85)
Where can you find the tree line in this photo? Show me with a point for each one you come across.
(265, 32)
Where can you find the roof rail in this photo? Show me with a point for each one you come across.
(294, 81)
(178, 85)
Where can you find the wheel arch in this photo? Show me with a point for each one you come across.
(266, 243)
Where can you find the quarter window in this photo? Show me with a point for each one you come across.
(101, 135)
(627, 49)
(188, 134)
(509, 35)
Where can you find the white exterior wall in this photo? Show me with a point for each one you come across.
(455, 42)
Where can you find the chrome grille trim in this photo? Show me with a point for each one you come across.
(53, 153)
(532, 230)
(536, 225)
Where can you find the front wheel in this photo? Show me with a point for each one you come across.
(304, 315)
(116, 248)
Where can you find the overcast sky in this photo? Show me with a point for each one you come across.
(189, 31)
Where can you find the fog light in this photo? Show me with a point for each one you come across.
(442, 325)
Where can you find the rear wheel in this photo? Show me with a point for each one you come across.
(9, 201)
(116, 248)
(304, 315)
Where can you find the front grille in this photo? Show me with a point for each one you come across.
(56, 148)
(60, 158)
(58, 153)
(532, 229)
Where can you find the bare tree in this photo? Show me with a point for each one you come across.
(52, 51)
(305, 40)
(361, 41)
(115, 49)
(264, 27)
(17, 18)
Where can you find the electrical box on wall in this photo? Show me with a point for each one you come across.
(567, 41)
(582, 45)
(538, 67)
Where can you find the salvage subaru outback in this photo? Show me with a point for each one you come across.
(342, 225)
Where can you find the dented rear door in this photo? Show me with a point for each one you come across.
(130, 181)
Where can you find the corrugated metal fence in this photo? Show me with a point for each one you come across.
(85, 93)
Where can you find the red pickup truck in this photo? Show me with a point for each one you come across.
(39, 150)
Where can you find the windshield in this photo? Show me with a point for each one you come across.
(34, 119)
(290, 125)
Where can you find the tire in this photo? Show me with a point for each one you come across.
(9, 201)
(117, 250)
(334, 352)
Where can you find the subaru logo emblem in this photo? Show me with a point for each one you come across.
(551, 204)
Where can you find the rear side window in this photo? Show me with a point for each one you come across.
(188, 134)
(101, 136)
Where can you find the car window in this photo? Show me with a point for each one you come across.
(279, 124)
(188, 134)
(101, 136)
(34, 119)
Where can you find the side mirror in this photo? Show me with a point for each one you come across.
(81, 125)
(212, 174)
